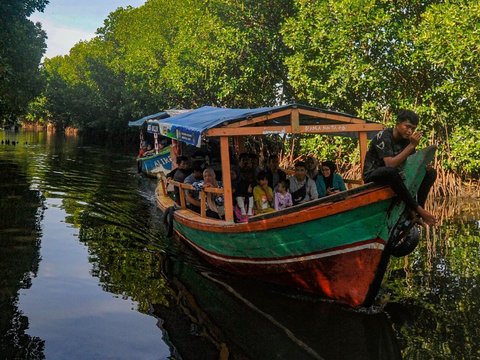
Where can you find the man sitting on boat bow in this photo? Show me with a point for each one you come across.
(387, 152)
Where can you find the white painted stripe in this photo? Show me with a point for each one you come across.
(373, 246)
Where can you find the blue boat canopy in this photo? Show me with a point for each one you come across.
(140, 122)
(189, 127)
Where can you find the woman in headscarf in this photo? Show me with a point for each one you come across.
(329, 182)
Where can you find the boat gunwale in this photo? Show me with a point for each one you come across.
(148, 157)
(310, 211)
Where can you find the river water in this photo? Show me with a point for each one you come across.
(87, 273)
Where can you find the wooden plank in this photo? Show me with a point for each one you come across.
(309, 129)
(164, 201)
(162, 183)
(339, 128)
(258, 119)
(257, 130)
(312, 113)
(213, 190)
(181, 185)
(203, 199)
(353, 181)
(183, 203)
(227, 181)
(184, 186)
(337, 117)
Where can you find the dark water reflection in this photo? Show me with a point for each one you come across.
(21, 212)
(86, 273)
(436, 289)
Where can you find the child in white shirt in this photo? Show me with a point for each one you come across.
(283, 198)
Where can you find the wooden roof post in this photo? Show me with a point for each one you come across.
(362, 137)
(227, 181)
(295, 121)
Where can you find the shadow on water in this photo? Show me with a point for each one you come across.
(244, 319)
(21, 211)
(202, 313)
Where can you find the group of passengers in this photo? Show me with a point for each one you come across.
(257, 190)
(200, 177)
(147, 149)
(311, 181)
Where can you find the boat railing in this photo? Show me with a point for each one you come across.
(352, 183)
(220, 191)
(182, 187)
(166, 182)
(329, 199)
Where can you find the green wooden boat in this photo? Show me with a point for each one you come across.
(337, 246)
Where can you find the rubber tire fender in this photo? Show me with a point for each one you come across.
(168, 220)
(407, 243)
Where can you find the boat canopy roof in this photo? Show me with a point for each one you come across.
(140, 122)
(156, 117)
(190, 127)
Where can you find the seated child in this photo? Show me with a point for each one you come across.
(263, 194)
(243, 198)
(283, 198)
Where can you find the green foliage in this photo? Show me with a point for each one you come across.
(368, 58)
(22, 45)
(37, 112)
(465, 151)
(448, 41)
(356, 56)
(337, 48)
(371, 58)
(329, 148)
(164, 55)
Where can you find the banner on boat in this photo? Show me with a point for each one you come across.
(184, 134)
(160, 162)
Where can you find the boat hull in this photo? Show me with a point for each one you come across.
(341, 274)
(336, 255)
(335, 246)
(154, 164)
